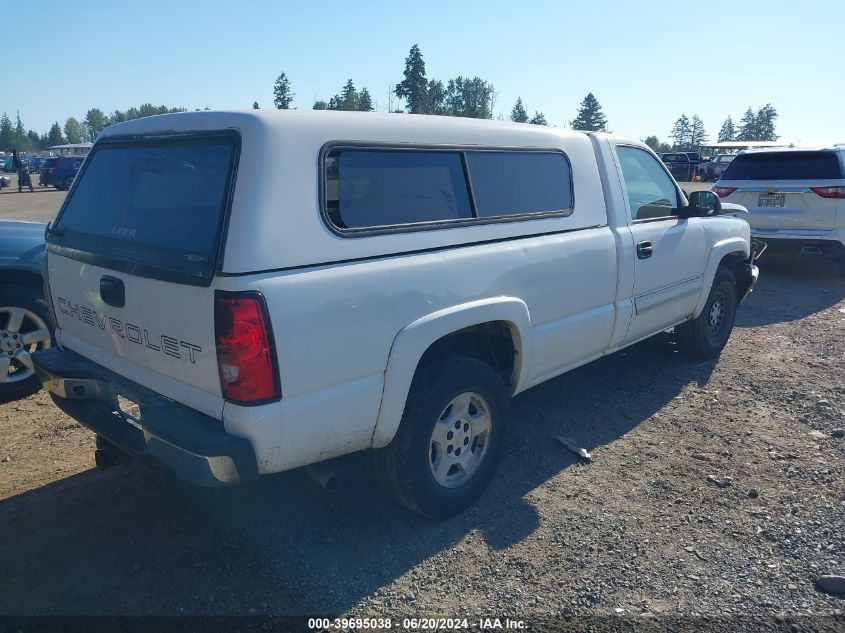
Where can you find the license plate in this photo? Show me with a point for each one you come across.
(770, 200)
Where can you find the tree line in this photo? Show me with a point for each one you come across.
(688, 133)
(461, 96)
(73, 130)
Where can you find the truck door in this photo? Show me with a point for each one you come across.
(670, 251)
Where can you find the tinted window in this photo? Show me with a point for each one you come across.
(509, 183)
(371, 188)
(784, 166)
(158, 204)
(651, 192)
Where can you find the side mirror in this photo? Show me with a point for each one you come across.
(704, 204)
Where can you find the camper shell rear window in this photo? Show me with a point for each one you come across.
(153, 207)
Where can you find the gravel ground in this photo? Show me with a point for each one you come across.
(39, 205)
(716, 490)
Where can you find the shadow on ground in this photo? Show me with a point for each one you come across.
(132, 540)
(791, 288)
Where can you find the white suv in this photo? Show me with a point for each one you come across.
(795, 197)
(241, 293)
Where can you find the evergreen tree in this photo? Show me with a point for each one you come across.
(727, 133)
(765, 120)
(698, 136)
(319, 104)
(95, 122)
(518, 114)
(538, 119)
(436, 97)
(74, 133)
(6, 133)
(20, 132)
(590, 116)
(255, 105)
(470, 98)
(747, 127)
(282, 95)
(681, 133)
(54, 136)
(365, 102)
(347, 99)
(414, 88)
(34, 139)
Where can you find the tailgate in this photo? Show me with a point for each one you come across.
(786, 206)
(133, 253)
(780, 188)
(161, 327)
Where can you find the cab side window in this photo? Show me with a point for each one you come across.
(651, 192)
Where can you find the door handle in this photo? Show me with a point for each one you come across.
(112, 291)
(645, 250)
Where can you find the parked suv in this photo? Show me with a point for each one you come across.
(59, 171)
(241, 293)
(795, 197)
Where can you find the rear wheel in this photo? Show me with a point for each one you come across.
(24, 328)
(707, 335)
(450, 439)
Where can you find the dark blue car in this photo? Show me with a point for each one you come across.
(25, 324)
(59, 171)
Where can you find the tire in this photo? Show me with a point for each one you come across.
(706, 336)
(25, 305)
(67, 183)
(406, 467)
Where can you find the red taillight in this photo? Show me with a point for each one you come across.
(244, 357)
(723, 192)
(829, 192)
(51, 170)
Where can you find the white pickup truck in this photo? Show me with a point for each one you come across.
(242, 293)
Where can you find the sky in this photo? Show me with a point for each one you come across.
(646, 61)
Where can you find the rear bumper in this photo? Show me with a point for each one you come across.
(829, 244)
(190, 444)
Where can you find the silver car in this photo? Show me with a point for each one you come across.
(795, 197)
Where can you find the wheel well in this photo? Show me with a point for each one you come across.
(24, 278)
(491, 343)
(735, 262)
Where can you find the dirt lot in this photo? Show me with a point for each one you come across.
(643, 529)
(40, 205)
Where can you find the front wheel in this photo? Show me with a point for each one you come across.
(706, 336)
(67, 183)
(450, 438)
